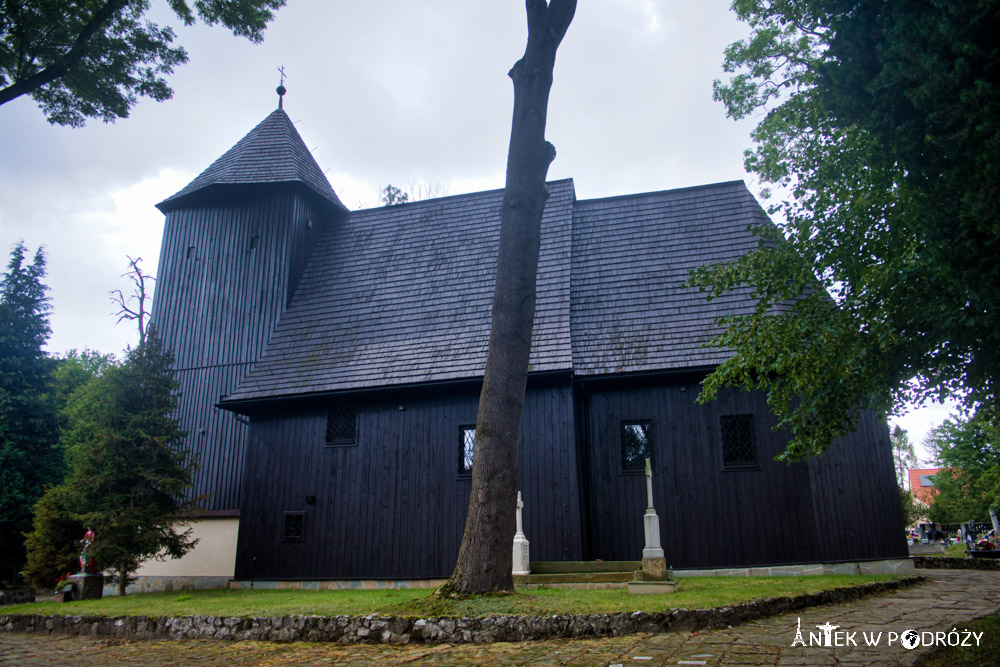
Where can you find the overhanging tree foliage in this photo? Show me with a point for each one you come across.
(84, 59)
(882, 121)
(485, 557)
(29, 457)
(968, 450)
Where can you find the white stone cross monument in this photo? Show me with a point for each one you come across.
(654, 577)
(651, 522)
(522, 561)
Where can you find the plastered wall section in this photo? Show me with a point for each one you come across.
(213, 556)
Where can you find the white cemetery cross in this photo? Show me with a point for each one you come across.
(651, 522)
(654, 577)
(522, 561)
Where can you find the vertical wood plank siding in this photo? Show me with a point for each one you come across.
(857, 508)
(394, 505)
(216, 302)
(839, 507)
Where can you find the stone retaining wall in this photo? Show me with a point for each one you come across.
(17, 595)
(932, 563)
(387, 629)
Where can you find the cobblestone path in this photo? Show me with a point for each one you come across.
(950, 599)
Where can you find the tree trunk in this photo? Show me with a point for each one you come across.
(122, 583)
(484, 559)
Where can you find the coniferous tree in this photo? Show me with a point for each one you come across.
(29, 457)
(53, 546)
(129, 468)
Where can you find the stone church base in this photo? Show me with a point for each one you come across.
(157, 584)
(889, 566)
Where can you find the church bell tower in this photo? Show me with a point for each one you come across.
(235, 243)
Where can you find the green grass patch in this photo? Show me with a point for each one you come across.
(693, 593)
(987, 653)
(954, 551)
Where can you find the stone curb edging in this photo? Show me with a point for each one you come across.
(944, 563)
(375, 629)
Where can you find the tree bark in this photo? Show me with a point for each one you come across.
(485, 557)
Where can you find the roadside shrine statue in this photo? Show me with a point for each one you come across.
(87, 565)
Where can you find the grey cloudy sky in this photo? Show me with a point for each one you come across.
(382, 92)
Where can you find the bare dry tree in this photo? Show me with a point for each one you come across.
(133, 307)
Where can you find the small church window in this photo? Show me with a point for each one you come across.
(254, 242)
(636, 444)
(190, 252)
(295, 526)
(739, 440)
(467, 442)
(341, 426)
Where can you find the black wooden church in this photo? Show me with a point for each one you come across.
(330, 363)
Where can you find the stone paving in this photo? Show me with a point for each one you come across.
(950, 599)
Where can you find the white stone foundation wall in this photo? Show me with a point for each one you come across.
(166, 584)
(153, 584)
(894, 566)
(335, 584)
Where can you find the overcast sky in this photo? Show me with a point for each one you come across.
(382, 92)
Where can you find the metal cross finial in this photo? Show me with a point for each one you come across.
(281, 86)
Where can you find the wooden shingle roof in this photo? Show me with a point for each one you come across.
(630, 256)
(401, 295)
(273, 152)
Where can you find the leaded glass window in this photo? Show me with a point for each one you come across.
(467, 447)
(341, 426)
(739, 440)
(636, 444)
(295, 526)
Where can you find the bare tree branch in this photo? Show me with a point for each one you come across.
(126, 309)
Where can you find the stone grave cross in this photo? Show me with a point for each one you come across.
(654, 577)
(522, 560)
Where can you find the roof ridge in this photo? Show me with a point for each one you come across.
(689, 188)
(477, 193)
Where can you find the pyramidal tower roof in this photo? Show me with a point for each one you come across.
(272, 152)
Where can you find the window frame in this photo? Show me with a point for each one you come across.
(647, 425)
(462, 430)
(740, 465)
(301, 537)
(341, 442)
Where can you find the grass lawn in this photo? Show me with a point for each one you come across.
(692, 593)
(954, 551)
(987, 653)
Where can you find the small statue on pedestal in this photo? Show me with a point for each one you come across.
(90, 581)
(87, 565)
